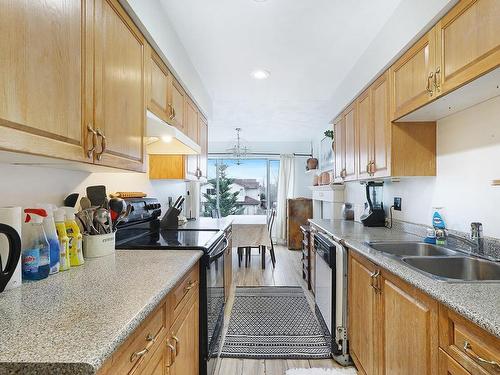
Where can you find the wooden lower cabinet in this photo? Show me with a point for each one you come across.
(167, 341)
(362, 315)
(408, 329)
(185, 340)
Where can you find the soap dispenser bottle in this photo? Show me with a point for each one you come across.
(36, 249)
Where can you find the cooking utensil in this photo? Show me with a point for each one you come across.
(70, 200)
(177, 201)
(85, 203)
(101, 218)
(179, 205)
(97, 195)
(122, 217)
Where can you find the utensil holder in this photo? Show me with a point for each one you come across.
(98, 245)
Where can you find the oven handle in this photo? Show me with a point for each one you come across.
(220, 252)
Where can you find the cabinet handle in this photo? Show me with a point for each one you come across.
(189, 286)
(103, 144)
(171, 116)
(372, 167)
(470, 352)
(136, 355)
(173, 113)
(94, 140)
(172, 354)
(429, 85)
(437, 79)
(177, 342)
(374, 281)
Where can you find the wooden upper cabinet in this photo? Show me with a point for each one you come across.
(468, 42)
(365, 135)
(159, 77)
(409, 338)
(43, 70)
(119, 87)
(203, 140)
(381, 156)
(339, 148)
(191, 120)
(177, 99)
(350, 118)
(412, 77)
(362, 315)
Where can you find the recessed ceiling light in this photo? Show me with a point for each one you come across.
(260, 74)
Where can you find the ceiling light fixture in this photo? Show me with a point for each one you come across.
(238, 151)
(260, 74)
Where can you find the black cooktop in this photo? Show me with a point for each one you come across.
(144, 237)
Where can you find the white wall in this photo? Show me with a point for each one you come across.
(26, 185)
(156, 20)
(468, 159)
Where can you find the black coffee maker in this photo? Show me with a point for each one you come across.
(14, 253)
(374, 215)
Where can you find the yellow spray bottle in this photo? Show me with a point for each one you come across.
(75, 238)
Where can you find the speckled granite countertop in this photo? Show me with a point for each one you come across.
(71, 322)
(207, 223)
(480, 303)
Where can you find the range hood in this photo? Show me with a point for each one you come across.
(162, 138)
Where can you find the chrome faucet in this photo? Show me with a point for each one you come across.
(476, 241)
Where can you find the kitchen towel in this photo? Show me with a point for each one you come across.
(12, 217)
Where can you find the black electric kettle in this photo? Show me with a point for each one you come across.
(13, 255)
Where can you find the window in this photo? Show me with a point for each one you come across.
(240, 187)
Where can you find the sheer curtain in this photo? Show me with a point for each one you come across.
(285, 191)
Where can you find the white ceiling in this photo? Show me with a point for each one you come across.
(309, 46)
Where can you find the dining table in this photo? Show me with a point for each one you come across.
(251, 231)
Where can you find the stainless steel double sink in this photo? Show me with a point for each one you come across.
(441, 263)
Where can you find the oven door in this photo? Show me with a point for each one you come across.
(215, 302)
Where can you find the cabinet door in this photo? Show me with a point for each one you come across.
(176, 100)
(339, 130)
(381, 127)
(120, 109)
(412, 77)
(409, 330)
(43, 77)
(185, 331)
(469, 43)
(191, 120)
(365, 135)
(203, 138)
(350, 143)
(158, 87)
(362, 315)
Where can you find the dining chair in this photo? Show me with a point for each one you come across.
(248, 249)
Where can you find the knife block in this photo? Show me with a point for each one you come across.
(171, 219)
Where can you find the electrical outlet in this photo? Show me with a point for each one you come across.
(397, 203)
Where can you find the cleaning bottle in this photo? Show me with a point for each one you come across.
(51, 233)
(36, 249)
(439, 225)
(59, 217)
(75, 238)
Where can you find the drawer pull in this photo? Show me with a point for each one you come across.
(374, 281)
(177, 342)
(136, 355)
(470, 352)
(172, 354)
(189, 286)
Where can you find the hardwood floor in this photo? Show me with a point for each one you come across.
(287, 272)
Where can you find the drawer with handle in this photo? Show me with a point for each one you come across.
(141, 344)
(185, 289)
(473, 348)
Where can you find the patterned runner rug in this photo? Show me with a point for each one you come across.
(273, 323)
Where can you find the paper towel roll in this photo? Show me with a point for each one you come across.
(11, 216)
